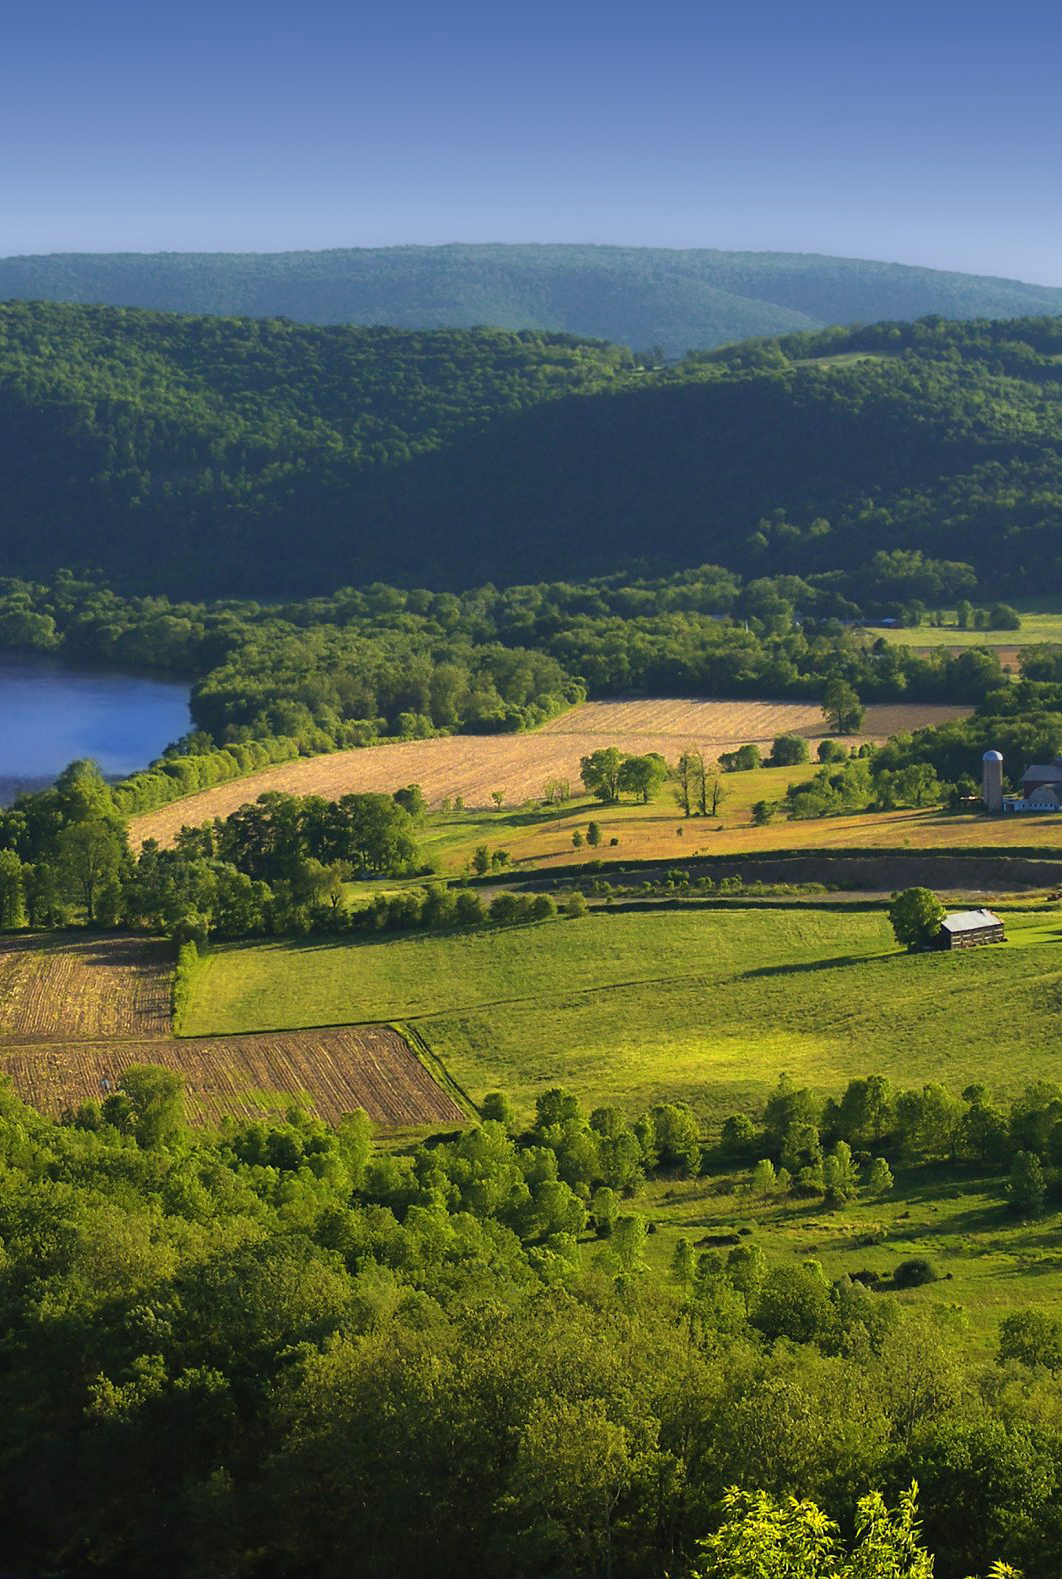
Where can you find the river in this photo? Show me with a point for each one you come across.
(51, 714)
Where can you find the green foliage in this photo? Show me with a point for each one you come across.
(841, 707)
(743, 760)
(788, 751)
(796, 1540)
(1027, 1188)
(914, 1272)
(352, 454)
(915, 915)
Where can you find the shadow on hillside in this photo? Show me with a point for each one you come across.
(838, 962)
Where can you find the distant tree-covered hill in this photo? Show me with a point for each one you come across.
(638, 296)
(203, 455)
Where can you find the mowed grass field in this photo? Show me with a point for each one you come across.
(520, 766)
(706, 1005)
(1041, 623)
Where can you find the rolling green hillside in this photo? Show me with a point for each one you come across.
(221, 455)
(639, 296)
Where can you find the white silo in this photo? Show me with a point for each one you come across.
(992, 780)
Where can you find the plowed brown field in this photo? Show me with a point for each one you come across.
(520, 765)
(76, 1012)
(330, 1072)
(54, 987)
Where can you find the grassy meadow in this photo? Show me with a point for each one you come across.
(1040, 622)
(706, 1004)
(989, 1262)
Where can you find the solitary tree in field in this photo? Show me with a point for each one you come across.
(916, 914)
(1026, 1188)
(593, 833)
(841, 707)
(600, 772)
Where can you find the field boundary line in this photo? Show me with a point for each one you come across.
(434, 1066)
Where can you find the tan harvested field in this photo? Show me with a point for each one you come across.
(473, 766)
(75, 1012)
(330, 1072)
(53, 987)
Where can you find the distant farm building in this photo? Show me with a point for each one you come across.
(1041, 786)
(968, 928)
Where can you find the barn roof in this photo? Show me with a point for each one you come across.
(1045, 772)
(970, 921)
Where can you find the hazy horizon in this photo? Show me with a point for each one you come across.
(913, 137)
(493, 241)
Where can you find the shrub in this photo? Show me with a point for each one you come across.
(914, 1272)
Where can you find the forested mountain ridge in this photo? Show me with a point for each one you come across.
(638, 296)
(196, 455)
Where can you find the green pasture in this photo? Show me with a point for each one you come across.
(1042, 623)
(989, 1261)
(705, 1005)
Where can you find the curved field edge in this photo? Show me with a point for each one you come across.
(519, 765)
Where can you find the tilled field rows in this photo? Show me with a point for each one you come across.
(330, 1072)
(63, 985)
(76, 1012)
(474, 766)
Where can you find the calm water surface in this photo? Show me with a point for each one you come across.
(51, 714)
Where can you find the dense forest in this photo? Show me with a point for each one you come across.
(194, 455)
(275, 1350)
(638, 296)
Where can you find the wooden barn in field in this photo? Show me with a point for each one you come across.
(968, 928)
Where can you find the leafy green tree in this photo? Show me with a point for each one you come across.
(604, 1210)
(841, 707)
(840, 1175)
(593, 834)
(481, 860)
(746, 1269)
(1033, 1338)
(90, 857)
(1027, 1187)
(789, 751)
(497, 1108)
(764, 1179)
(915, 914)
(763, 812)
(600, 772)
(737, 1137)
(683, 1263)
(642, 776)
(879, 1177)
(628, 1241)
(12, 892)
(772, 1539)
(156, 1100)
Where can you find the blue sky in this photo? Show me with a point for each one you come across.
(926, 133)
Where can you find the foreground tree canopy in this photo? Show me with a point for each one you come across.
(274, 1349)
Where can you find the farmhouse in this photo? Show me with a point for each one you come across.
(968, 928)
